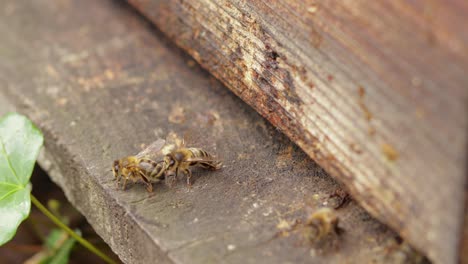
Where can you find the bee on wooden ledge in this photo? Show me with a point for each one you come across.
(322, 224)
(163, 160)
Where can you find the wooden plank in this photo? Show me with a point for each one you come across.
(464, 236)
(375, 92)
(100, 82)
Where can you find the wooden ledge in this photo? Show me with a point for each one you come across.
(375, 92)
(101, 83)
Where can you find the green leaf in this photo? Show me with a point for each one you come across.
(54, 239)
(58, 247)
(20, 142)
(63, 254)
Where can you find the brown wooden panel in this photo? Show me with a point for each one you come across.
(374, 91)
(100, 83)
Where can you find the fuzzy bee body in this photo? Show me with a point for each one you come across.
(160, 161)
(131, 168)
(321, 224)
(141, 167)
(180, 160)
(203, 159)
(154, 170)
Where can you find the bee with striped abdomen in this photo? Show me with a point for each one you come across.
(141, 167)
(162, 160)
(181, 159)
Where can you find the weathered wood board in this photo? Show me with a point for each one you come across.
(101, 83)
(375, 92)
(464, 237)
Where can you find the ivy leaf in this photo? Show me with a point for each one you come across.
(20, 142)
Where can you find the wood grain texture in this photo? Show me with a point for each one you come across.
(101, 83)
(464, 235)
(375, 92)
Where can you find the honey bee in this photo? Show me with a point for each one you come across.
(141, 167)
(150, 168)
(320, 224)
(181, 159)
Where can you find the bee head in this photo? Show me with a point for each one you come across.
(115, 166)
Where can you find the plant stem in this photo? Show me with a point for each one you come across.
(72, 233)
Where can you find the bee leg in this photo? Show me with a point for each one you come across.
(149, 186)
(189, 176)
(124, 184)
(170, 177)
(170, 183)
(158, 171)
(175, 178)
(117, 176)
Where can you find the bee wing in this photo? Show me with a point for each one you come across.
(154, 150)
(207, 162)
(201, 159)
(189, 138)
(173, 141)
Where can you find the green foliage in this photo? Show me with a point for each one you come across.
(20, 142)
(63, 254)
(58, 247)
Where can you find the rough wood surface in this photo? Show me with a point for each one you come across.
(374, 91)
(464, 236)
(100, 82)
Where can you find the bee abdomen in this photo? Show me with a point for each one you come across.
(199, 153)
(212, 164)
